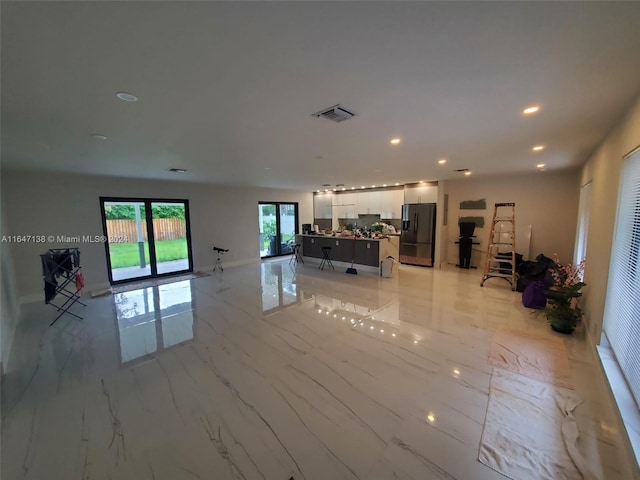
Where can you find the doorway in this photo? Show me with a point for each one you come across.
(146, 238)
(278, 226)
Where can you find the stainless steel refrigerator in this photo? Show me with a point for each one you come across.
(417, 239)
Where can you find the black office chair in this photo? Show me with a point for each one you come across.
(326, 259)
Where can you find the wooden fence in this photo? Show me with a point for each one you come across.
(163, 229)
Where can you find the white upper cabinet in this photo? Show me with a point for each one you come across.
(391, 203)
(348, 205)
(394, 203)
(344, 205)
(322, 205)
(350, 201)
(369, 202)
(421, 194)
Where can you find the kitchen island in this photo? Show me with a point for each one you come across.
(367, 252)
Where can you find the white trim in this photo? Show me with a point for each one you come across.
(236, 263)
(623, 397)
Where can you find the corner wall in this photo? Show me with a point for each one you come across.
(45, 203)
(603, 168)
(9, 306)
(548, 201)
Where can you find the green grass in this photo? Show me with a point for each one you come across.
(126, 254)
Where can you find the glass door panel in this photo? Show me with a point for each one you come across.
(267, 223)
(126, 232)
(287, 228)
(278, 225)
(170, 244)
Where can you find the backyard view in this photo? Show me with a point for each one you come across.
(129, 251)
(272, 241)
(127, 254)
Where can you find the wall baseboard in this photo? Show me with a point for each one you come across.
(237, 263)
(39, 297)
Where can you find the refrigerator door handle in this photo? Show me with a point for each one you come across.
(415, 222)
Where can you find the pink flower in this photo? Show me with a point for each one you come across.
(567, 275)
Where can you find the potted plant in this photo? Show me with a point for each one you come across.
(562, 310)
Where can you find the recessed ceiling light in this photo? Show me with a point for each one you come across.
(442, 161)
(326, 189)
(127, 97)
(540, 165)
(467, 173)
(395, 141)
(538, 148)
(353, 188)
(343, 189)
(421, 181)
(397, 184)
(97, 136)
(373, 186)
(335, 189)
(531, 109)
(384, 184)
(318, 191)
(177, 170)
(362, 186)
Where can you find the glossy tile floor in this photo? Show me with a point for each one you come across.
(266, 372)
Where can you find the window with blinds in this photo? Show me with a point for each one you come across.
(622, 310)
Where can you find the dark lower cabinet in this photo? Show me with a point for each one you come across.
(311, 247)
(367, 253)
(342, 249)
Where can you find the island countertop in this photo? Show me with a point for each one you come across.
(366, 252)
(349, 237)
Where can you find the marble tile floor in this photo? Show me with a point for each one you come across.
(269, 371)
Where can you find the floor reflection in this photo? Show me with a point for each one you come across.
(154, 318)
(279, 289)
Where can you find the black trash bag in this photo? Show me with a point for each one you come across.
(540, 270)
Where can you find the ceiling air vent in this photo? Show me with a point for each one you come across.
(335, 114)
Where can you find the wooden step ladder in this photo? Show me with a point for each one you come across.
(502, 245)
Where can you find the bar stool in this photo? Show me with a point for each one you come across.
(296, 254)
(326, 260)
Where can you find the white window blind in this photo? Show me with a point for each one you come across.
(622, 310)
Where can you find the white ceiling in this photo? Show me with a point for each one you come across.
(226, 90)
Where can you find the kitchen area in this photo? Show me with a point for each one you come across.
(366, 226)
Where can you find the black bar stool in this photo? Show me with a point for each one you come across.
(326, 260)
(296, 254)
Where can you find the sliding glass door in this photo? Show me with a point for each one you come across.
(278, 225)
(146, 238)
(170, 236)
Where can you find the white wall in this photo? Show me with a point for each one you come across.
(548, 201)
(65, 204)
(603, 168)
(9, 307)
